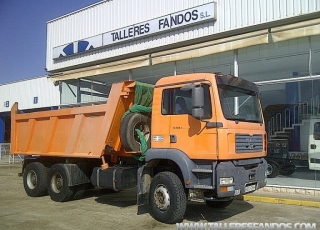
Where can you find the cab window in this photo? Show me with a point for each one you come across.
(177, 102)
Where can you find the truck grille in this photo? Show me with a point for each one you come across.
(248, 144)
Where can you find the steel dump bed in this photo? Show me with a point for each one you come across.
(73, 132)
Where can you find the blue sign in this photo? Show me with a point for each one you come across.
(77, 47)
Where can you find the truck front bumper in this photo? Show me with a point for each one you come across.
(239, 177)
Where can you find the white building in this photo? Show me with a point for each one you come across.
(31, 94)
(266, 41)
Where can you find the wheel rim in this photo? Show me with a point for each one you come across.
(269, 169)
(161, 197)
(32, 179)
(56, 182)
(144, 128)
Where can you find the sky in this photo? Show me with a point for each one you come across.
(23, 35)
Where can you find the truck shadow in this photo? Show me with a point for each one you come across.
(195, 211)
(200, 211)
(120, 199)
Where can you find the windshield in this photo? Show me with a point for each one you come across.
(239, 104)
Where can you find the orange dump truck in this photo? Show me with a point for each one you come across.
(203, 138)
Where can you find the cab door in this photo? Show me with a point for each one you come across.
(188, 134)
(314, 144)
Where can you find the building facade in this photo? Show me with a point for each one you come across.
(32, 94)
(274, 43)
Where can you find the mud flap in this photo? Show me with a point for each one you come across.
(144, 181)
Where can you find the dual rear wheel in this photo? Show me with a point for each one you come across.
(35, 179)
(38, 180)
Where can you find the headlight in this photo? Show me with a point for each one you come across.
(226, 180)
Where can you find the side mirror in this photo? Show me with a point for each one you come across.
(197, 102)
(198, 112)
(198, 97)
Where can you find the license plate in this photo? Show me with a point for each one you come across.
(250, 188)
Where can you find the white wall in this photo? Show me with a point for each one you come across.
(25, 91)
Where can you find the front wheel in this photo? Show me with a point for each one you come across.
(167, 198)
(220, 204)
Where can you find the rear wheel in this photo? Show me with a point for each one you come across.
(167, 198)
(79, 191)
(272, 169)
(220, 204)
(35, 179)
(58, 188)
(287, 170)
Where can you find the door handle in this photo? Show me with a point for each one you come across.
(313, 146)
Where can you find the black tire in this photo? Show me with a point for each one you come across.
(58, 188)
(167, 198)
(79, 191)
(272, 169)
(129, 137)
(287, 170)
(35, 179)
(107, 191)
(220, 204)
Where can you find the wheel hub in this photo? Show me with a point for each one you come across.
(144, 128)
(162, 198)
(56, 182)
(32, 179)
(269, 169)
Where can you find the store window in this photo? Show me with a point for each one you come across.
(220, 62)
(68, 92)
(288, 77)
(273, 61)
(151, 74)
(91, 89)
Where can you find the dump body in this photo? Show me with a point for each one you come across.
(81, 132)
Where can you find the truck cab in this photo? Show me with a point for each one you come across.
(207, 129)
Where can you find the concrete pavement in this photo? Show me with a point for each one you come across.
(98, 210)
